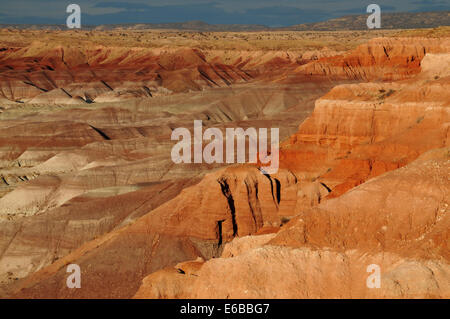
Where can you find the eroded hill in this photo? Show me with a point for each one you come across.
(87, 178)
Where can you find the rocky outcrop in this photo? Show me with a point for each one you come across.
(70, 174)
(230, 203)
(359, 131)
(398, 222)
(43, 74)
(386, 59)
(62, 74)
(122, 156)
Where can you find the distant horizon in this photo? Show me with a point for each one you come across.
(204, 22)
(282, 13)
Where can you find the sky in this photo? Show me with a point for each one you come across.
(274, 13)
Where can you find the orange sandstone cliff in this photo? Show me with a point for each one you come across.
(364, 179)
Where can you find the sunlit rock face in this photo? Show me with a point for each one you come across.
(86, 174)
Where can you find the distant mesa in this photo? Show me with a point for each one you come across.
(390, 20)
(397, 20)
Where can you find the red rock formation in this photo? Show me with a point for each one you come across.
(229, 203)
(356, 132)
(43, 73)
(398, 221)
(380, 59)
(359, 131)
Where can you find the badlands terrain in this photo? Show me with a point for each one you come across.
(86, 175)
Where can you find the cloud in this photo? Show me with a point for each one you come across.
(266, 12)
(431, 5)
(122, 5)
(271, 16)
(430, 2)
(384, 8)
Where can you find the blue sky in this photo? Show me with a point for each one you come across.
(265, 12)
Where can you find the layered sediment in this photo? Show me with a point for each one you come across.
(102, 191)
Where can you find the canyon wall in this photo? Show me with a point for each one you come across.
(316, 224)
